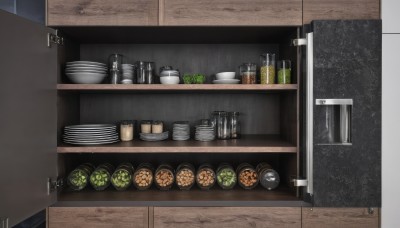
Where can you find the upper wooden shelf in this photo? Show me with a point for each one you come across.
(179, 87)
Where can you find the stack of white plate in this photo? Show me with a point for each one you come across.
(226, 78)
(204, 133)
(127, 73)
(154, 137)
(85, 72)
(90, 134)
(181, 131)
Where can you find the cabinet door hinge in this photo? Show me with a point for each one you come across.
(3, 222)
(300, 182)
(54, 38)
(54, 185)
(299, 42)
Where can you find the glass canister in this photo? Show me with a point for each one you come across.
(247, 176)
(79, 177)
(234, 123)
(269, 178)
(143, 176)
(267, 70)
(115, 62)
(185, 176)
(127, 130)
(248, 73)
(284, 72)
(145, 126)
(150, 75)
(121, 179)
(223, 126)
(214, 120)
(226, 176)
(101, 176)
(140, 72)
(157, 127)
(164, 177)
(205, 177)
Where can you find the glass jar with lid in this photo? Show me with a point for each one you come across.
(143, 176)
(284, 72)
(267, 69)
(79, 177)
(269, 178)
(226, 176)
(223, 128)
(127, 130)
(100, 178)
(205, 177)
(234, 123)
(145, 126)
(121, 179)
(247, 176)
(185, 176)
(248, 72)
(164, 177)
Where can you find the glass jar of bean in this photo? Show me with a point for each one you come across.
(248, 73)
(79, 177)
(100, 179)
(284, 72)
(121, 179)
(267, 69)
(226, 176)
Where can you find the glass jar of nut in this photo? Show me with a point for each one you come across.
(205, 177)
(185, 176)
(164, 177)
(143, 176)
(247, 176)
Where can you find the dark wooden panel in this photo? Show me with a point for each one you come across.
(339, 217)
(102, 12)
(74, 217)
(232, 217)
(340, 10)
(232, 12)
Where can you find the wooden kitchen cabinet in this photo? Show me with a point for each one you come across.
(340, 217)
(132, 217)
(340, 10)
(230, 12)
(102, 12)
(188, 217)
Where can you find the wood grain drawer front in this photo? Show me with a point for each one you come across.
(229, 217)
(102, 12)
(340, 10)
(339, 218)
(231, 12)
(104, 217)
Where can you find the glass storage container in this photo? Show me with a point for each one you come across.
(101, 176)
(284, 72)
(226, 176)
(127, 130)
(157, 127)
(247, 176)
(164, 177)
(185, 176)
(234, 123)
(205, 177)
(115, 62)
(223, 126)
(248, 72)
(267, 69)
(121, 179)
(214, 120)
(269, 178)
(140, 72)
(79, 177)
(143, 176)
(150, 75)
(145, 126)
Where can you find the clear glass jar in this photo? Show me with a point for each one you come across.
(223, 128)
(127, 130)
(115, 62)
(164, 177)
(143, 176)
(247, 176)
(140, 72)
(205, 177)
(267, 69)
(214, 120)
(100, 178)
(121, 179)
(185, 176)
(269, 178)
(157, 127)
(284, 72)
(234, 123)
(145, 126)
(226, 176)
(248, 73)
(149, 77)
(79, 177)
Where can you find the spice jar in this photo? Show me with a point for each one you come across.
(143, 176)
(122, 176)
(126, 130)
(247, 176)
(79, 177)
(145, 126)
(185, 176)
(284, 72)
(157, 127)
(164, 177)
(234, 123)
(223, 127)
(267, 70)
(205, 177)
(248, 73)
(269, 178)
(226, 176)
(100, 179)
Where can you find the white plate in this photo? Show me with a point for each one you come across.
(91, 143)
(86, 78)
(86, 63)
(90, 126)
(90, 139)
(227, 81)
(85, 71)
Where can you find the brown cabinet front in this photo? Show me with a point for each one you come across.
(132, 217)
(232, 217)
(230, 12)
(102, 12)
(340, 10)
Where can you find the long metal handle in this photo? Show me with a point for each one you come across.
(310, 113)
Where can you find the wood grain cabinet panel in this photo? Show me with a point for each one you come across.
(231, 12)
(103, 217)
(340, 10)
(229, 217)
(339, 218)
(102, 12)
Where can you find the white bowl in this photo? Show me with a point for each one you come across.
(171, 80)
(225, 75)
(86, 78)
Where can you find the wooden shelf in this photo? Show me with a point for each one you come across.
(179, 87)
(248, 143)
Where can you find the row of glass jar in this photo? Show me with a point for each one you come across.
(164, 177)
(227, 125)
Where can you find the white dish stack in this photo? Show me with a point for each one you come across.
(181, 131)
(127, 73)
(226, 78)
(90, 134)
(86, 72)
(204, 133)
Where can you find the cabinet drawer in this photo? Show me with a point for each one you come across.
(102, 12)
(231, 12)
(133, 217)
(230, 217)
(339, 217)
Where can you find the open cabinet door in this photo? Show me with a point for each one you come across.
(28, 117)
